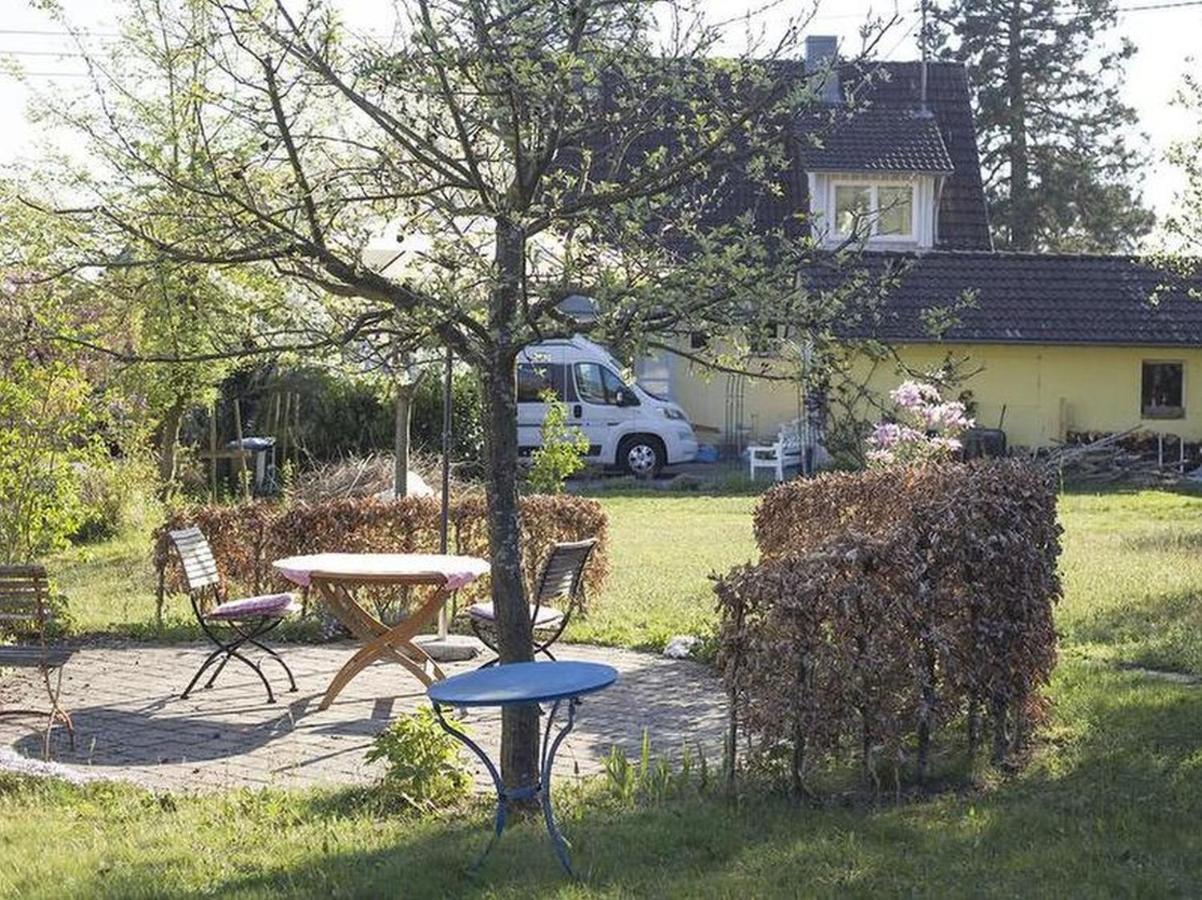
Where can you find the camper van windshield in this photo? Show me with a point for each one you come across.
(654, 395)
(597, 384)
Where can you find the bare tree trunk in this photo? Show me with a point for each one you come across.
(168, 444)
(1022, 226)
(519, 724)
(400, 438)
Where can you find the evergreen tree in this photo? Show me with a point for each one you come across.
(1060, 173)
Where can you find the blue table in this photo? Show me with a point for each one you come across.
(519, 684)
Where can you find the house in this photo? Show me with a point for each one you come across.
(1044, 344)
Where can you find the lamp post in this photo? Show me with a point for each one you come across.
(444, 646)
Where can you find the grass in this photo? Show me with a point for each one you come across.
(1132, 569)
(664, 548)
(1105, 808)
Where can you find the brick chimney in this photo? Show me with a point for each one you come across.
(822, 51)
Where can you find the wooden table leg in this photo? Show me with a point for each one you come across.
(395, 644)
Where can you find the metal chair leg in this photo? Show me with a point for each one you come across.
(203, 667)
(57, 713)
(221, 665)
(258, 670)
(230, 650)
(277, 658)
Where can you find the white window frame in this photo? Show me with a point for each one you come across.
(874, 209)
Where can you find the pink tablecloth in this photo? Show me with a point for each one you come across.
(457, 571)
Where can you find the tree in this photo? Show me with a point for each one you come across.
(1183, 227)
(1060, 174)
(520, 151)
(46, 433)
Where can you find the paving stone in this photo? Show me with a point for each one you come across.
(131, 723)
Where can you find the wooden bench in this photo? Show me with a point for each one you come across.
(25, 614)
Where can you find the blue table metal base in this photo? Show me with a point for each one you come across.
(540, 791)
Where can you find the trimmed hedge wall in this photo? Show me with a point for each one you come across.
(888, 603)
(247, 538)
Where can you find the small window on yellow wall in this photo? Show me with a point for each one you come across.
(1162, 394)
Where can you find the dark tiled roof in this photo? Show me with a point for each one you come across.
(883, 128)
(879, 140)
(1028, 298)
(897, 86)
(882, 133)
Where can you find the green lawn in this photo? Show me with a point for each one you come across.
(1108, 806)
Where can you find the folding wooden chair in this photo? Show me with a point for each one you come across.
(562, 578)
(234, 623)
(25, 614)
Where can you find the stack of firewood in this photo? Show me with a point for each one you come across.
(1121, 457)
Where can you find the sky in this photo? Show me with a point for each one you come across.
(1164, 31)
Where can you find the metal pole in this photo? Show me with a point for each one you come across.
(444, 524)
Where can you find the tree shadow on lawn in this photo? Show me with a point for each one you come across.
(1107, 808)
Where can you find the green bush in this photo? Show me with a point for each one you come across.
(113, 493)
(46, 441)
(467, 420)
(562, 452)
(424, 768)
(342, 416)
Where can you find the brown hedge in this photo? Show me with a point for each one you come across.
(888, 603)
(247, 538)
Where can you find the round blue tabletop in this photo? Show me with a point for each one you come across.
(527, 682)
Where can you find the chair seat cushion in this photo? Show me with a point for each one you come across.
(264, 606)
(545, 617)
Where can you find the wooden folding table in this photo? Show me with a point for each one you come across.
(337, 576)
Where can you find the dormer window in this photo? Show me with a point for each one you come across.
(885, 210)
(881, 211)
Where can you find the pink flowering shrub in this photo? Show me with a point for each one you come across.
(929, 429)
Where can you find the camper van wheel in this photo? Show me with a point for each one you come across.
(641, 455)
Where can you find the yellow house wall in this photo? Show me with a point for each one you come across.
(1046, 390)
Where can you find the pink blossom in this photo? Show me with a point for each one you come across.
(890, 434)
(929, 427)
(912, 394)
(948, 416)
(945, 444)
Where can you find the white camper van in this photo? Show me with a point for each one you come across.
(626, 425)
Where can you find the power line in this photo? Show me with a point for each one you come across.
(44, 74)
(1173, 5)
(59, 33)
(38, 53)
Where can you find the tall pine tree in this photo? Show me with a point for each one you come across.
(1060, 173)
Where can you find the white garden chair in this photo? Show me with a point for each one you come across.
(778, 456)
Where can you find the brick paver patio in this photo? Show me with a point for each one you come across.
(131, 724)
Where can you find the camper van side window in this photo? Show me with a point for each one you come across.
(534, 379)
(596, 384)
